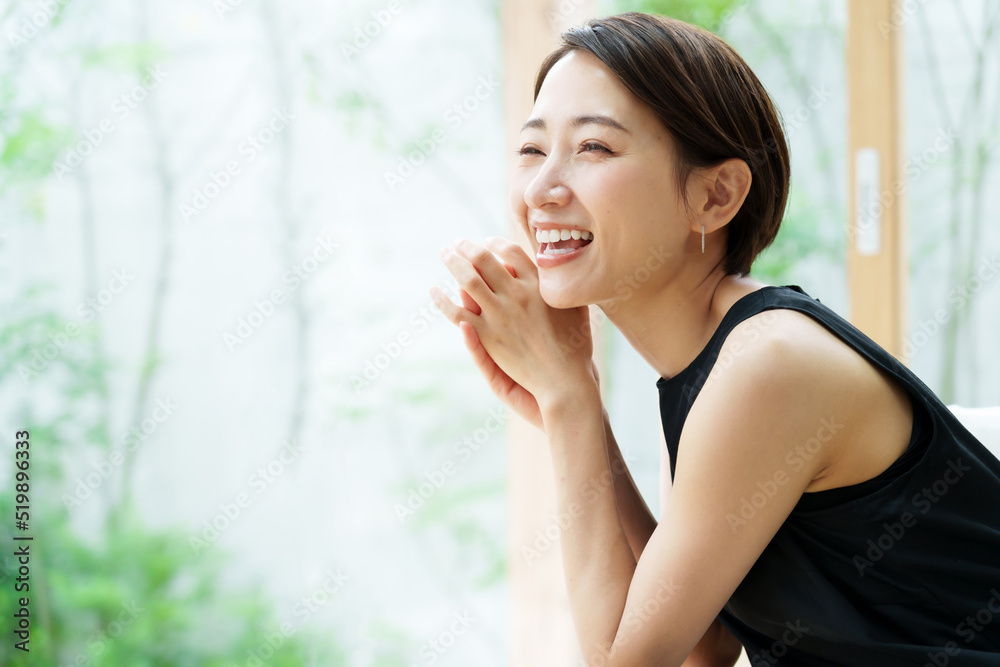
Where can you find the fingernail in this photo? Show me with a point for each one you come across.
(444, 251)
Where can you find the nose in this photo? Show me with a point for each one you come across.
(548, 186)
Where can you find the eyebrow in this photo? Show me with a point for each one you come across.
(579, 121)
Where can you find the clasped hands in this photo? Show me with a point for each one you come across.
(533, 356)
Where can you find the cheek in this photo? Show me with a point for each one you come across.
(613, 188)
(636, 198)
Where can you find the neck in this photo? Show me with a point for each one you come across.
(668, 325)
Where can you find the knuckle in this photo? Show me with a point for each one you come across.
(470, 281)
(479, 255)
(504, 244)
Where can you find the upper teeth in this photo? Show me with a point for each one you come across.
(553, 235)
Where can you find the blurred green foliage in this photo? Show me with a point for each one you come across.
(106, 589)
(709, 14)
(31, 145)
(115, 592)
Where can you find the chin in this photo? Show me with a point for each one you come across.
(561, 297)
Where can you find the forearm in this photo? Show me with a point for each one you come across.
(597, 557)
(637, 521)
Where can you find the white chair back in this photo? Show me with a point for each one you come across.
(984, 423)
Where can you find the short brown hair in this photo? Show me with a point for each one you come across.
(710, 102)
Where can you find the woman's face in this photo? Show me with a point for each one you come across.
(596, 162)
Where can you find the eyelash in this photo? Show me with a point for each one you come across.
(531, 150)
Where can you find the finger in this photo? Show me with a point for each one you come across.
(456, 314)
(472, 342)
(470, 304)
(495, 377)
(513, 255)
(480, 357)
(468, 276)
(490, 268)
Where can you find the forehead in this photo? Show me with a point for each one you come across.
(579, 83)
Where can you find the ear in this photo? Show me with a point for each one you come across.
(720, 192)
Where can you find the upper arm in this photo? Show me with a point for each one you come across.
(717, 646)
(737, 450)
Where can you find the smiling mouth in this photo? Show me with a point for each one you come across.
(562, 247)
(554, 242)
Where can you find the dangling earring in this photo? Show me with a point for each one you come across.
(703, 239)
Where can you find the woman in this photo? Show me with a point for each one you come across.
(826, 508)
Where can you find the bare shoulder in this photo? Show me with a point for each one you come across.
(781, 384)
(784, 364)
(781, 354)
(791, 346)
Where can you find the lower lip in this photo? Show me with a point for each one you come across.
(550, 261)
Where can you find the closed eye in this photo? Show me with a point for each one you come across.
(588, 147)
(591, 147)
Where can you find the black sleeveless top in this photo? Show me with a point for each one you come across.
(902, 569)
